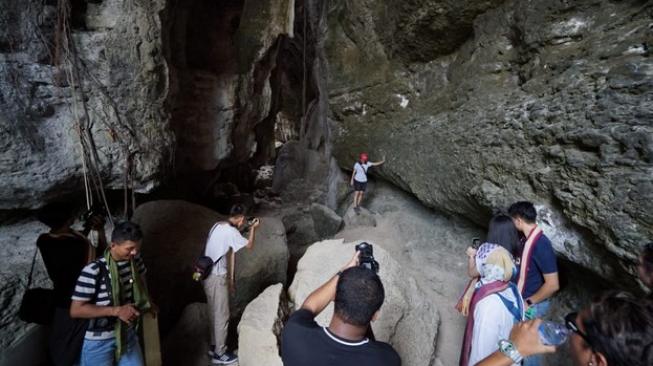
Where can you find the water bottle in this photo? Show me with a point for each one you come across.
(553, 334)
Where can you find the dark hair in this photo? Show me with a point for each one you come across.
(503, 232)
(125, 231)
(647, 257)
(56, 214)
(620, 327)
(237, 210)
(359, 294)
(524, 210)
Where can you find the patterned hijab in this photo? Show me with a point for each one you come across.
(494, 263)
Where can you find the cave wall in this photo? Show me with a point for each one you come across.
(179, 86)
(543, 100)
(123, 80)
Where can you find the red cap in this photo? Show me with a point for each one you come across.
(364, 157)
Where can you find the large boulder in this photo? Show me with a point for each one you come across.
(360, 217)
(557, 111)
(259, 328)
(408, 321)
(325, 220)
(175, 234)
(187, 343)
(17, 248)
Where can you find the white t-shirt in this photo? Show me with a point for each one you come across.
(492, 323)
(360, 171)
(222, 237)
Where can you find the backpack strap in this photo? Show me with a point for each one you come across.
(516, 311)
(103, 323)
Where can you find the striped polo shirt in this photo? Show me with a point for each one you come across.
(86, 285)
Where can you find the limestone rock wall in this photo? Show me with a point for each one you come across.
(543, 100)
(122, 78)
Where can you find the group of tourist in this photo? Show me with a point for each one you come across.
(101, 295)
(512, 283)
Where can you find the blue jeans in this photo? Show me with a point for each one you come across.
(102, 352)
(541, 309)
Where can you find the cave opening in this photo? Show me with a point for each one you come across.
(215, 163)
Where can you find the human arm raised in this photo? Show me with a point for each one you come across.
(376, 163)
(252, 233)
(472, 271)
(320, 298)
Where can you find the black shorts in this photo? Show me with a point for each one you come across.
(359, 186)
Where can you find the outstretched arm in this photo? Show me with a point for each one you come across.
(320, 298)
(378, 162)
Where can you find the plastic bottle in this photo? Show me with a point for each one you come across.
(553, 334)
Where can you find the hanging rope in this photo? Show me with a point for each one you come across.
(65, 53)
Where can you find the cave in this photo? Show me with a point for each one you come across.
(169, 112)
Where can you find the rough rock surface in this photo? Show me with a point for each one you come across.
(175, 234)
(325, 220)
(124, 80)
(408, 322)
(363, 217)
(258, 328)
(17, 246)
(546, 101)
(187, 342)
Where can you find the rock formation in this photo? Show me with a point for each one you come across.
(477, 104)
(258, 329)
(175, 234)
(408, 321)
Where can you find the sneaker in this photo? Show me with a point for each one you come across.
(224, 359)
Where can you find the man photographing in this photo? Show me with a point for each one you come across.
(223, 242)
(358, 294)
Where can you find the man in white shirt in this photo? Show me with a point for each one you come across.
(223, 242)
(359, 177)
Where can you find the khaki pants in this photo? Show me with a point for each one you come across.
(217, 298)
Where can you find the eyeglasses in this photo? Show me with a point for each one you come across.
(570, 323)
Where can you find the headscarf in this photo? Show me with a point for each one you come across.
(494, 263)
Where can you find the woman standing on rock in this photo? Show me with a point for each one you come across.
(491, 302)
(359, 178)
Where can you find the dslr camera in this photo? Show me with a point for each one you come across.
(366, 257)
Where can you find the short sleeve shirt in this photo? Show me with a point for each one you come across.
(222, 237)
(543, 261)
(304, 342)
(360, 171)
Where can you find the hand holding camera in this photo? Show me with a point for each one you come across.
(366, 257)
(254, 222)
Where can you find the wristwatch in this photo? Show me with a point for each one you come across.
(507, 348)
(529, 302)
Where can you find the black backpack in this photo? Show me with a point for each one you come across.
(204, 264)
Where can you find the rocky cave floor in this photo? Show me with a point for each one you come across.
(428, 247)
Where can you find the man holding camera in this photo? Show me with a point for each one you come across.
(224, 241)
(358, 294)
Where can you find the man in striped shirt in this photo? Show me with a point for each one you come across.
(106, 302)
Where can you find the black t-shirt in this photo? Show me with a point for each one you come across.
(64, 257)
(305, 343)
